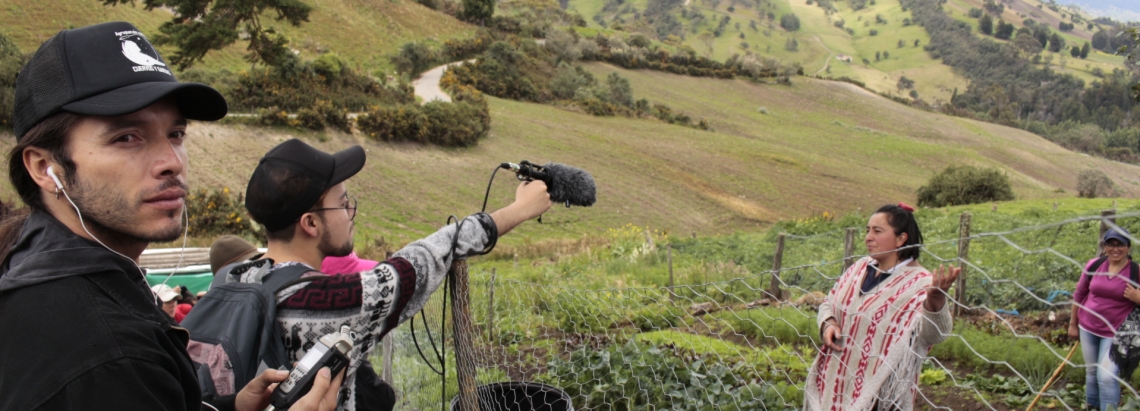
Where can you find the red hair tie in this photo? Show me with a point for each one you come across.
(908, 209)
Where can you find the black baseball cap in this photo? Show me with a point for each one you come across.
(108, 69)
(291, 178)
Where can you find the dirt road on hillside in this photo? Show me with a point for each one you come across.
(427, 85)
(830, 55)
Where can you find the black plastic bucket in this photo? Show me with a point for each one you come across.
(519, 396)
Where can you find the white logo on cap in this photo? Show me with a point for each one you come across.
(133, 52)
(147, 59)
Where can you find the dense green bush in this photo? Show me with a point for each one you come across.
(524, 71)
(11, 59)
(415, 58)
(297, 85)
(459, 123)
(217, 212)
(790, 22)
(1094, 183)
(958, 185)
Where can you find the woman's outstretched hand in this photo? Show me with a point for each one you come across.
(944, 277)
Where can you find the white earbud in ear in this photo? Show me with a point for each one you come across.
(51, 172)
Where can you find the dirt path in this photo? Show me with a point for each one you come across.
(427, 85)
(830, 55)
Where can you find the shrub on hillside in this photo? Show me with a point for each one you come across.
(957, 185)
(275, 117)
(415, 58)
(1093, 183)
(296, 85)
(563, 45)
(217, 212)
(569, 80)
(790, 22)
(462, 49)
(460, 123)
(11, 59)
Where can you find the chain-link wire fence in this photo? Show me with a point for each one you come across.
(727, 336)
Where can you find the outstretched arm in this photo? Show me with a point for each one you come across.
(531, 200)
(431, 257)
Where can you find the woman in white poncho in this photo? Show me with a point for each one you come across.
(879, 321)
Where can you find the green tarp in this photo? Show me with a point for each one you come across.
(194, 278)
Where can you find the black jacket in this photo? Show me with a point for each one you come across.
(80, 330)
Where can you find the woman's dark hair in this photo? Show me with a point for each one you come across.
(902, 221)
(51, 135)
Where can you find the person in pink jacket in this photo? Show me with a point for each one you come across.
(1101, 302)
(348, 264)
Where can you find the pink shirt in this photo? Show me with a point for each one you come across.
(1103, 295)
(346, 265)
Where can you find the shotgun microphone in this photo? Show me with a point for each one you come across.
(567, 185)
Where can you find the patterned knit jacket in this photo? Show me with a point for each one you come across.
(374, 302)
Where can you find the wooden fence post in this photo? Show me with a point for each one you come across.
(777, 263)
(848, 249)
(669, 256)
(464, 343)
(491, 308)
(1104, 215)
(963, 254)
(388, 348)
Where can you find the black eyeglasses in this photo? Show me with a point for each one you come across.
(1115, 245)
(351, 208)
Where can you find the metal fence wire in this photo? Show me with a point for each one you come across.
(734, 339)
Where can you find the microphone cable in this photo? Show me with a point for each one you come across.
(441, 350)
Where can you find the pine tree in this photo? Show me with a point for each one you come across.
(201, 26)
(1056, 43)
(1085, 49)
(986, 24)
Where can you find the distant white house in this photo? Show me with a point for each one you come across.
(843, 58)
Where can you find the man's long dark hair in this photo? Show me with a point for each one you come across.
(902, 221)
(51, 135)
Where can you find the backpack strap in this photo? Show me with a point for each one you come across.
(284, 277)
(1097, 263)
(273, 347)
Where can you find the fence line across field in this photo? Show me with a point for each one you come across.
(509, 329)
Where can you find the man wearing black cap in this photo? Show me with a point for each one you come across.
(100, 123)
(299, 194)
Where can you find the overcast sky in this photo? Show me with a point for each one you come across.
(1121, 10)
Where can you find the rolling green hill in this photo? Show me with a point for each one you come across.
(1017, 11)
(822, 146)
(820, 41)
(362, 32)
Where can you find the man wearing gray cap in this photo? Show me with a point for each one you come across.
(99, 160)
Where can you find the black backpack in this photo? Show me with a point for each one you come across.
(233, 329)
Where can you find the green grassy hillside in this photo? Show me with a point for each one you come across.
(823, 146)
(820, 41)
(363, 32)
(1017, 11)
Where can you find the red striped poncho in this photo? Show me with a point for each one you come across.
(887, 335)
